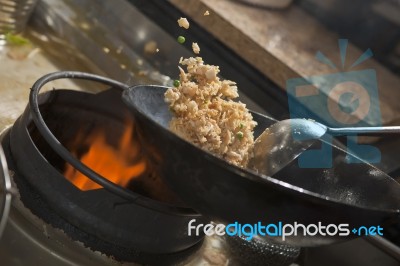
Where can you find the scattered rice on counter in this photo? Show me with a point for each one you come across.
(206, 115)
(150, 47)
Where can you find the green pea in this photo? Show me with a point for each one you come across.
(177, 83)
(239, 135)
(181, 39)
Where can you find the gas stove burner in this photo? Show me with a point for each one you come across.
(108, 217)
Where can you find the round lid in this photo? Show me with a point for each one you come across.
(5, 191)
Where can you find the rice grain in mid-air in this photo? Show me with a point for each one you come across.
(195, 48)
(183, 23)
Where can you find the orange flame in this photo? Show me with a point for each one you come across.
(118, 164)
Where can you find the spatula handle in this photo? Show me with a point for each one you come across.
(364, 130)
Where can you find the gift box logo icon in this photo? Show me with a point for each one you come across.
(340, 99)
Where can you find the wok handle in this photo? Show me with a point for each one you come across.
(363, 130)
(385, 245)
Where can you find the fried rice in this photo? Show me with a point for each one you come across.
(205, 113)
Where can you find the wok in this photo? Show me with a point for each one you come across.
(352, 194)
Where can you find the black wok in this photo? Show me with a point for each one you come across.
(353, 194)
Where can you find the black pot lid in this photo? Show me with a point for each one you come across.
(5, 192)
